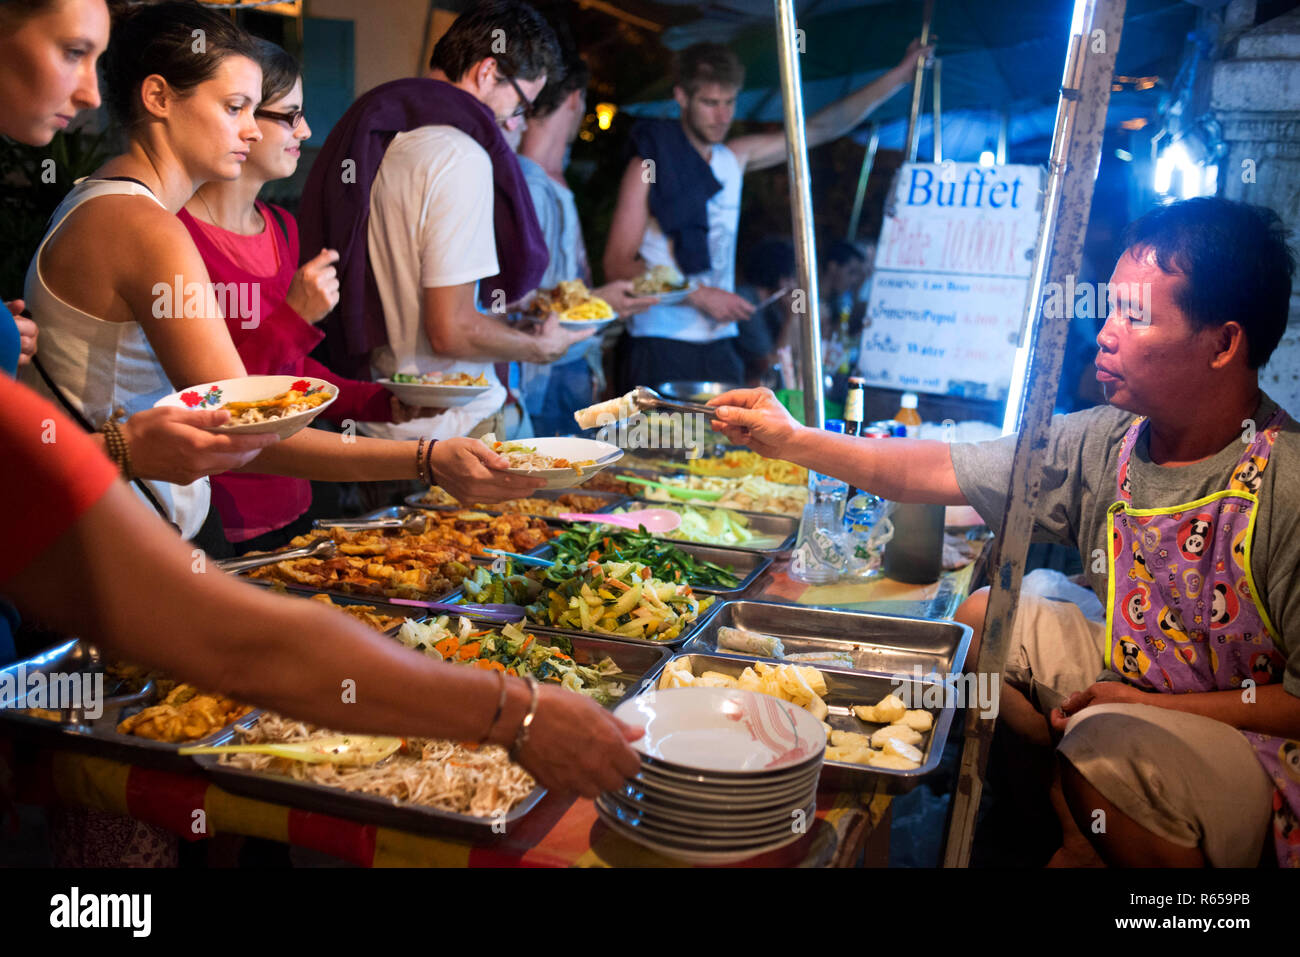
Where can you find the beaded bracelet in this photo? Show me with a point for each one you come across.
(118, 450)
(419, 463)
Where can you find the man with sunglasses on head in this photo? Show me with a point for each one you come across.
(450, 237)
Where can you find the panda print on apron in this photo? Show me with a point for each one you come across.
(1183, 612)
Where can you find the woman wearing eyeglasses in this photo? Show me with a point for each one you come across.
(110, 339)
(245, 240)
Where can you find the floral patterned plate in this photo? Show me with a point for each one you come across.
(216, 395)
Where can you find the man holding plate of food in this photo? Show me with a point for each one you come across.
(679, 208)
(554, 391)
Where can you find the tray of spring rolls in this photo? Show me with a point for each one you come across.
(858, 641)
(544, 503)
(429, 785)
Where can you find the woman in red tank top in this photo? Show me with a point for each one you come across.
(245, 240)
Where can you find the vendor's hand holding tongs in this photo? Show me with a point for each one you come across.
(646, 399)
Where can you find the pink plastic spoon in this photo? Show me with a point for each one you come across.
(655, 520)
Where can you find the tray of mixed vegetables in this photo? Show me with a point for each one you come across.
(714, 571)
(620, 600)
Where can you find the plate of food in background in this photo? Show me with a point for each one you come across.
(574, 303)
(666, 283)
(259, 404)
(436, 390)
(562, 462)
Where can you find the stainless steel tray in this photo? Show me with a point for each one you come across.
(782, 527)
(97, 736)
(359, 598)
(846, 688)
(746, 565)
(354, 597)
(883, 644)
(639, 667)
(611, 499)
(621, 639)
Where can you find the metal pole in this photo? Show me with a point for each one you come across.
(918, 81)
(1076, 154)
(938, 113)
(1004, 127)
(805, 245)
(868, 161)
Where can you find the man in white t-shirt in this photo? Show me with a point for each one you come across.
(431, 230)
(554, 392)
(693, 339)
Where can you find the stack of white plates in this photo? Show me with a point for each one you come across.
(725, 774)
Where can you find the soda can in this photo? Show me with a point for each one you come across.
(834, 425)
(876, 431)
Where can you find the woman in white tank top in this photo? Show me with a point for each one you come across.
(109, 339)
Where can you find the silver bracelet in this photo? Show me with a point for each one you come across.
(521, 738)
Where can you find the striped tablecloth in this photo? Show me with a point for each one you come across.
(559, 832)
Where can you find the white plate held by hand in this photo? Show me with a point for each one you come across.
(602, 455)
(432, 396)
(215, 395)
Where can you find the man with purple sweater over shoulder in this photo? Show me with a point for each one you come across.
(422, 196)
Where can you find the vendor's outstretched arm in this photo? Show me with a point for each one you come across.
(902, 470)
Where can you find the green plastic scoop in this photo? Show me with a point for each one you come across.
(689, 493)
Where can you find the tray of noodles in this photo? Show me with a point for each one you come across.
(432, 786)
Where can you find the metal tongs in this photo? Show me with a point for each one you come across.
(410, 522)
(646, 398)
(321, 548)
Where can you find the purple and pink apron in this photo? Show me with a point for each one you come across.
(1183, 612)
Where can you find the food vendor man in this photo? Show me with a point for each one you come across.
(1178, 718)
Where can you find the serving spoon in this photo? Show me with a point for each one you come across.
(677, 490)
(654, 519)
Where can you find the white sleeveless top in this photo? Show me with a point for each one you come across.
(682, 322)
(100, 365)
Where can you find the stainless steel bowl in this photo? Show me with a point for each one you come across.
(694, 391)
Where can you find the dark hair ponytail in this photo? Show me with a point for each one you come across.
(179, 40)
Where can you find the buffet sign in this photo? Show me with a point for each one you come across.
(951, 275)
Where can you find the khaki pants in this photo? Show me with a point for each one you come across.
(1190, 779)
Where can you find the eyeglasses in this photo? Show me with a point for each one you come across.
(525, 106)
(293, 118)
